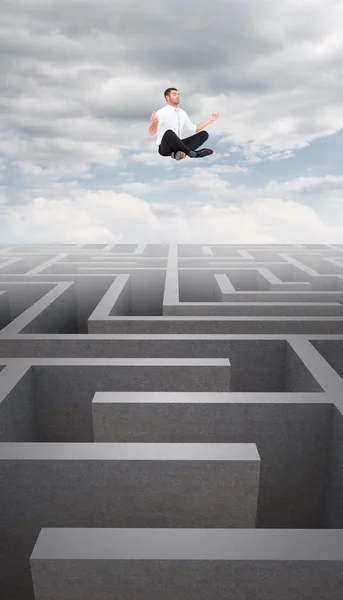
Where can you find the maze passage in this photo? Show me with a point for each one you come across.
(171, 422)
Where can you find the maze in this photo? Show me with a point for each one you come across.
(171, 422)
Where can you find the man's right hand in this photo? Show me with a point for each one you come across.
(154, 118)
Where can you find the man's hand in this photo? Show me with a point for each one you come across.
(154, 118)
(214, 117)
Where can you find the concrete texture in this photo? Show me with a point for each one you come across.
(292, 439)
(61, 391)
(5, 316)
(119, 485)
(188, 564)
(179, 387)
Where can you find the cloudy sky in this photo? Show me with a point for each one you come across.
(79, 81)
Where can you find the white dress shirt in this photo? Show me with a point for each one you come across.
(175, 119)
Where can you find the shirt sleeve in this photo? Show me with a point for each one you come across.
(189, 125)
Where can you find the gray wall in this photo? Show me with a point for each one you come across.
(63, 394)
(58, 317)
(22, 295)
(5, 316)
(96, 485)
(332, 352)
(187, 565)
(292, 440)
(18, 419)
(332, 515)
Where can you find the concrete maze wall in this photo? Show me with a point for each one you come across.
(171, 422)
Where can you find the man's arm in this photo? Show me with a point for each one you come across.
(154, 125)
(195, 128)
(201, 126)
(190, 125)
(153, 128)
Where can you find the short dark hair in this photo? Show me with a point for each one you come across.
(167, 92)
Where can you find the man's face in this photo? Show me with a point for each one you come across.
(174, 97)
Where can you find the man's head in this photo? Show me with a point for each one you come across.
(172, 96)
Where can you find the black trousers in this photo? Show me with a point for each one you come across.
(172, 143)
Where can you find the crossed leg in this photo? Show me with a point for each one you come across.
(171, 143)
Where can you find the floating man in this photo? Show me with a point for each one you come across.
(170, 123)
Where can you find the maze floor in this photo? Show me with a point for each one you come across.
(171, 422)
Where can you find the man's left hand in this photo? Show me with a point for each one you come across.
(214, 116)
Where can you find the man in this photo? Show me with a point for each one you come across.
(171, 122)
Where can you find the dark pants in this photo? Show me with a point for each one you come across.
(172, 143)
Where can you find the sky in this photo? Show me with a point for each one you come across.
(79, 81)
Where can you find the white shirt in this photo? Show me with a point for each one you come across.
(175, 119)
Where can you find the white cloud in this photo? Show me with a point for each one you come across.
(310, 185)
(103, 217)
